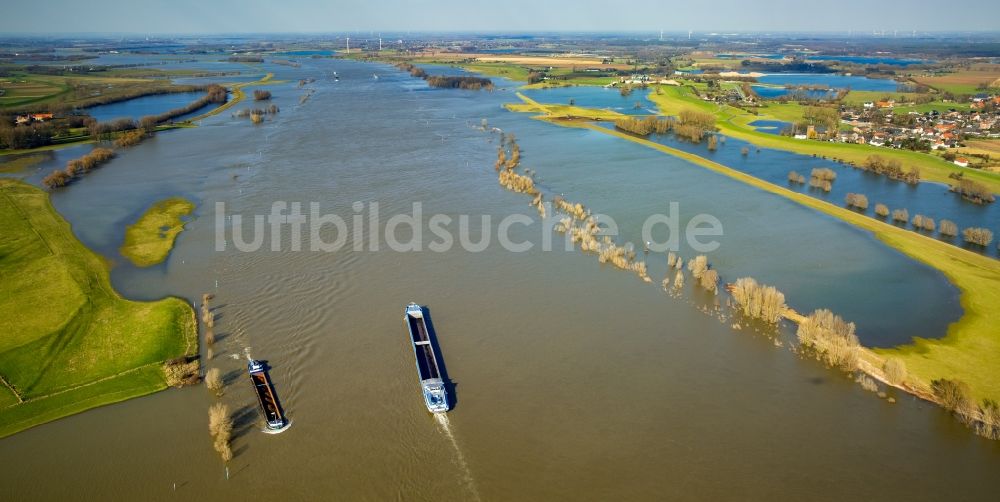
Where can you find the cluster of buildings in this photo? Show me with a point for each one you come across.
(33, 117)
(877, 125)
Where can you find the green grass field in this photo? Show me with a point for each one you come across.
(70, 342)
(967, 352)
(29, 91)
(149, 240)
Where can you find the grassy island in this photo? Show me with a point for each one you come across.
(69, 341)
(149, 240)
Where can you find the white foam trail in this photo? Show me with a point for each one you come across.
(442, 420)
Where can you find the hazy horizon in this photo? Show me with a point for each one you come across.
(188, 17)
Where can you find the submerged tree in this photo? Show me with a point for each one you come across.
(980, 236)
(949, 228)
(758, 301)
(832, 337)
(881, 210)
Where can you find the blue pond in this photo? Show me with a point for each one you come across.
(777, 92)
(140, 107)
(770, 126)
(831, 81)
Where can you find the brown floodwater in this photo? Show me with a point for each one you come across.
(570, 380)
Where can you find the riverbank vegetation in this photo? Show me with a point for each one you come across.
(856, 200)
(149, 240)
(220, 427)
(890, 168)
(644, 126)
(973, 191)
(446, 81)
(758, 301)
(91, 347)
(78, 167)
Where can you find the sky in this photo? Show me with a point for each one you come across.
(333, 16)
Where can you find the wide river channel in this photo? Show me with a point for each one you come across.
(571, 380)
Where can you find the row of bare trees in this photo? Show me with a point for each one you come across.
(643, 126)
(891, 168)
(973, 191)
(78, 167)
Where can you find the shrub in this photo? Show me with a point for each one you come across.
(824, 173)
(949, 228)
(698, 266)
(867, 383)
(973, 191)
(831, 336)
(857, 200)
(794, 177)
(213, 380)
(758, 301)
(130, 138)
(710, 280)
(821, 184)
(679, 278)
(261, 95)
(704, 120)
(891, 168)
(900, 215)
(744, 151)
(179, 372)
(713, 143)
(882, 210)
(56, 179)
(895, 370)
(220, 426)
(953, 395)
(690, 132)
(643, 127)
(990, 425)
(980, 236)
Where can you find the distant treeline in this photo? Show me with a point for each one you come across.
(46, 57)
(792, 67)
(75, 70)
(447, 82)
(245, 59)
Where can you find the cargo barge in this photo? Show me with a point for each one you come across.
(274, 417)
(431, 382)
